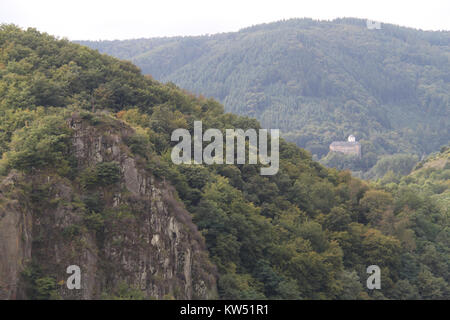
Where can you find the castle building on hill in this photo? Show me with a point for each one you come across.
(351, 146)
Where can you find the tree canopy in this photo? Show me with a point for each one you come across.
(308, 232)
(317, 81)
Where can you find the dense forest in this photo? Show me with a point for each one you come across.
(317, 81)
(308, 232)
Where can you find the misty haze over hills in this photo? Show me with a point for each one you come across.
(318, 81)
(87, 179)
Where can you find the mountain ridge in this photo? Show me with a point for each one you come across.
(317, 81)
(91, 135)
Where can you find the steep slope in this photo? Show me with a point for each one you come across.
(318, 81)
(120, 225)
(85, 175)
(430, 177)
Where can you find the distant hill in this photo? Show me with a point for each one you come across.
(86, 178)
(431, 177)
(318, 81)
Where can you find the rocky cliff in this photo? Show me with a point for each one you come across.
(123, 227)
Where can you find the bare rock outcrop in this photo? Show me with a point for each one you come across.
(144, 239)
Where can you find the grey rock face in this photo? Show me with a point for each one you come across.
(147, 241)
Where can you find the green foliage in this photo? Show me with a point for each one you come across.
(104, 174)
(358, 165)
(107, 173)
(233, 286)
(306, 233)
(72, 231)
(139, 144)
(396, 165)
(45, 288)
(317, 81)
(94, 221)
(13, 119)
(37, 285)
(93, 202)
(124, 292)
(43, 145)
(430, 178)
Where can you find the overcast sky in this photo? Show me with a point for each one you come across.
(125, 19)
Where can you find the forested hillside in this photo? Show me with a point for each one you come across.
(430, 178)
(318, 81)
(85, 144)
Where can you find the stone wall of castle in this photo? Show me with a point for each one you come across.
(347, 148)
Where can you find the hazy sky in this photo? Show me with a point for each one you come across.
(124, 19)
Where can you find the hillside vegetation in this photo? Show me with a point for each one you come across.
(430, 178)
(317, 81)
(308, 232)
